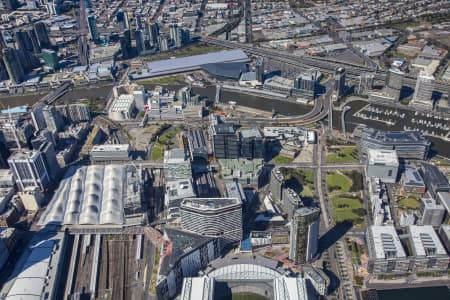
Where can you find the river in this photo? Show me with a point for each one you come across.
(433, 293)
(283, 107)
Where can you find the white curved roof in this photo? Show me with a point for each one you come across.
(244, 272)
(93, 195)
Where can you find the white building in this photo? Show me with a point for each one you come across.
(122, 108)
(427, 249)
(29, 169)
(386, 253)
(383, 164)
(175, 192)
(424, 90)
(110, 153)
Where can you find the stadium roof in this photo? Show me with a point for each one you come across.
(230, 70)
(191, 63)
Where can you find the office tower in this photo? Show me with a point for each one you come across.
(339, 82)
(42, 35)
(394, 83)
(248, 20)
(175, 36)
(23, 40)
(163, 43)
(304, 237)
(125, 44)
(291, 202)
(42, 137)
(434, 179)
(423, 93)
(140, 42)
(252, 143)
(432, 213)
(276, 184)
(13, 65)
(83, 50)
(34, 41)
(122, 20)
(408, 144)
(10, 5)
(4, 152)
(92, 23)
(3, 71)
(153, 33)
(259, 69)
(52, 119)
(27, 60)
(38, 117)
(365, 83)
(51, 59)
(225, 141)
(29, 169)
(49, 156)
(217, 217)
(185, 37)
(305, 85)
(139, 23)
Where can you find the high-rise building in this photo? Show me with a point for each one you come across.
(259, 69)
(163, 43)
(122, 20)
(394, 83)
(13, 65)
(291, 202)
(423, 92)
(27, 60)
(304, 237)
(125, 44)
(434, 180)
(365, 83)
(276, 184)
(153, 33)
(92, 23)
(49, 156)
(34, 41)
(252, 143)
(52, 118)
(248, 21)
(305, 85)
(140, 42)
(23, 40)
(339, 82)
(225, 141)
(29, 169)
(10, 5)
(42, 35)
(432, 213)
(216, 217)
(383, 164)
(51, 59)
(185, 37)
(38, 117)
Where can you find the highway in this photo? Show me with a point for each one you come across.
(323, 64)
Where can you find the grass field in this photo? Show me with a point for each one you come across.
(163, 80)
(166, 139)
(282, 159)
(300, 179)
(338, 183)
(348, 209)
(343, 154)
(409, 203)
(186, 51)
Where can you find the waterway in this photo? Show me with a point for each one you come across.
(434, 293)
(282, 107)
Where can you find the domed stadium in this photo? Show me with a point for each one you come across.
(244, 278)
